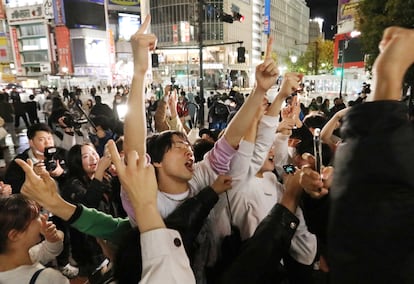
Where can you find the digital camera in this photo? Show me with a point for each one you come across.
(50, 161)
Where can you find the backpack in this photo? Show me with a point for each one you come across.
(220, 109)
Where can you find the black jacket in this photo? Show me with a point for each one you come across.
(94, 194)
(371, 232)
(187, 219)
(261, 254)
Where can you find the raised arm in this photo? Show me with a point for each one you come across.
(135, 125)
(43, 190)
(290, 84)
(266, 76)
(328, 129)
(392, 63)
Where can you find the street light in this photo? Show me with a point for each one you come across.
(345, 43)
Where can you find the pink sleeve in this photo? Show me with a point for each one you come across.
(126, 203)
(220, 156)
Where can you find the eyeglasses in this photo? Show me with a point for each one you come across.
(182, 145)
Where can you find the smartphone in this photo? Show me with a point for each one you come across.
(289, 169)
(317, 149)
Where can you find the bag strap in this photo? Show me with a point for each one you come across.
(35, 275)
(228, 204)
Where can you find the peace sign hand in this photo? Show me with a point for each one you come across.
(141, 44)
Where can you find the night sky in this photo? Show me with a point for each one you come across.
(326, 9)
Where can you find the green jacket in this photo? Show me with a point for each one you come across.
(98, 224)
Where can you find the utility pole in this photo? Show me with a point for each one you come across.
(316, 69)
(344, 46)
(200, 47)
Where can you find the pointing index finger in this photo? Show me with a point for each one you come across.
(144, 27)
(268, 53)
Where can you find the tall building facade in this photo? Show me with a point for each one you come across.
(178, 23)
(289, 26)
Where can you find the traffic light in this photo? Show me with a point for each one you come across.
(226, 18)
(154, 60)
(338, 71)
(240, 54)
(238, 17)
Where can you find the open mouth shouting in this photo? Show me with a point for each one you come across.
(190, 165)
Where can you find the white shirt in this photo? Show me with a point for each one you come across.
(164, 259)
(45, 251)
(24, 273)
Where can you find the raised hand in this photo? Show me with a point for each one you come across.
(392, 63)
(40, 188)
(315, 184)
(290, 83)
(222, 183)
(142, 43)
(43, 189)
(139, 182)
(267, 72)
(5, 189)
(49, 231)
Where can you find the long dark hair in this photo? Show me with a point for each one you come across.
(74, 163)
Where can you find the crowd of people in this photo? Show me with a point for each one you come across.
(244, 202)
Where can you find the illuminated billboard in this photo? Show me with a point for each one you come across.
(128, 25)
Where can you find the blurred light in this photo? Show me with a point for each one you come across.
(238, 17)
(338, 72)
(122, 111)
(355, 34)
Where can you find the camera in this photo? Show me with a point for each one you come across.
(70, 121)
(366, 88)
(50, 161)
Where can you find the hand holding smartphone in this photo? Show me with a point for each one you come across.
(317, 149)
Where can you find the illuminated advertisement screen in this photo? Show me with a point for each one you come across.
(85, 14)
(89, 51)
(128, 25)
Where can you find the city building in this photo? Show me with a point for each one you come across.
(178, 24)
(86, 42)
(348, 56)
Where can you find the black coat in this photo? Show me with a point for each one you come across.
(371, 233)
(260, 255)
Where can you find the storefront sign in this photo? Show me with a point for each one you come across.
(60, 19)
(63, 48)
(25, 13)
(125, 2)
(15, 41)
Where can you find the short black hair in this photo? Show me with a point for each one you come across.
(314, 121)
(201, 147)
(32, 129)
(102, 121)
(159, 144)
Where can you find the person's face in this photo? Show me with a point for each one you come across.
(31, 236)
(269, 164)
(41, 140)
(100, 132)
(90, 159)
(178, 161)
